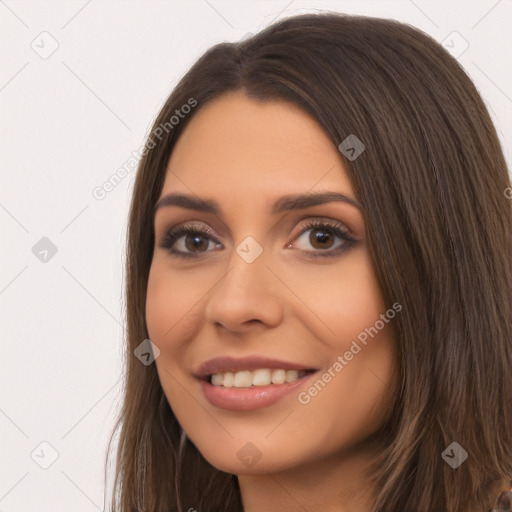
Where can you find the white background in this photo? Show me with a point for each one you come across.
(69, 121)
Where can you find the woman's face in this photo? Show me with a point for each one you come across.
(264, 283)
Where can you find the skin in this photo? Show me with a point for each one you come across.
(286, 304)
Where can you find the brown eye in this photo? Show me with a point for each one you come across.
(195, 243)
(189, 241)
(322, 235)
(321, 238)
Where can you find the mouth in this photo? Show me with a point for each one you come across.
(251, 390)
(255, 378)
(250, 383)
(249, 371)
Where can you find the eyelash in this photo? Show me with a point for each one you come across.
(337, 228)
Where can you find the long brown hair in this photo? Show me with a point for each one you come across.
(432, 181)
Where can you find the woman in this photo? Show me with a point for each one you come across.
(320, 251)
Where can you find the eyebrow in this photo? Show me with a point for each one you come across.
(283, 204)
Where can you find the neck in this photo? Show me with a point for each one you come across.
(334, 484)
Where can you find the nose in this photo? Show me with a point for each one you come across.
(246, 295)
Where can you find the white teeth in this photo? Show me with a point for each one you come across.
(217, 379)
(243, 380)
(228, 379)
(291, 375)
(260, 377)
(278, 376)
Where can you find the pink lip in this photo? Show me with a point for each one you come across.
(232, 364)
(247, 399)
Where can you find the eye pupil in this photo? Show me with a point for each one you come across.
(320, 235)
(196, 240)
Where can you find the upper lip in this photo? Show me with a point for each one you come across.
(233, 364)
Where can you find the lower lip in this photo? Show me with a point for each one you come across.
(248, 399)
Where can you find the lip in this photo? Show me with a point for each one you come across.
(231, 364)
(248, 399)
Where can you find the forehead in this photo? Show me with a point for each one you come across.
(235, 143)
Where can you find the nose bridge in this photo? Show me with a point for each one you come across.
(247, 273)
(245, 292)
(248, 256)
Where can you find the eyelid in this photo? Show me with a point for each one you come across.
(340, 229)
(175, 233)
(312, 222)
(191, 226)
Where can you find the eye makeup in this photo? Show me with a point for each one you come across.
(202, 236)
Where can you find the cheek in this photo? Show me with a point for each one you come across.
(170, 317)
(352, 323)
(359, 393)
(345, 299)
(171, 323)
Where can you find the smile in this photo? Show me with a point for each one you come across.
(260, 377)
(255, 396)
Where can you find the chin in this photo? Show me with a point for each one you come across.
(244, 458)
